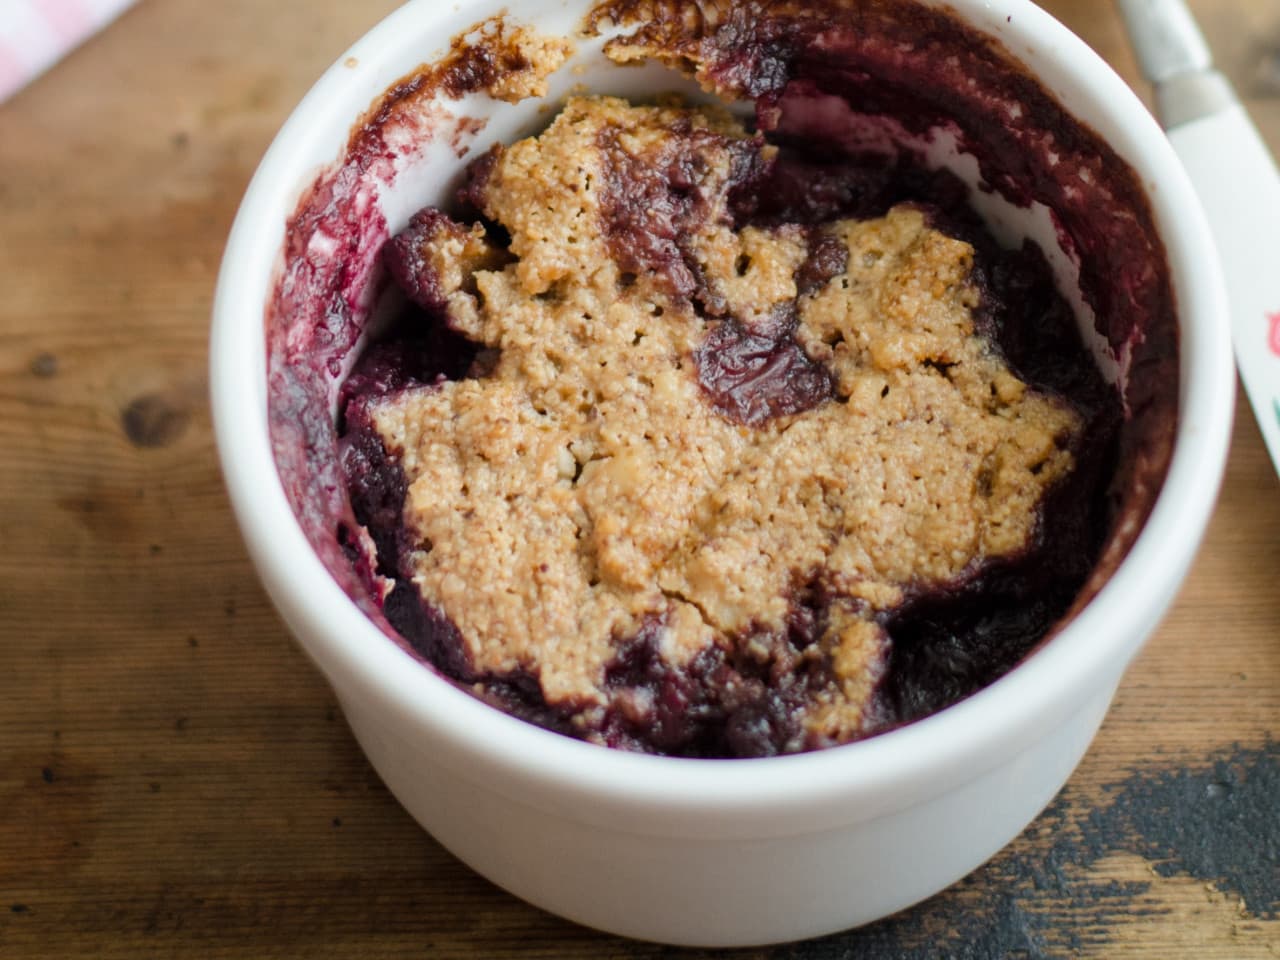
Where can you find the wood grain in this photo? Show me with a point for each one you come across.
(175, 780)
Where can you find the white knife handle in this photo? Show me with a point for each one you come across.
(1166, 38)
(1239, 185)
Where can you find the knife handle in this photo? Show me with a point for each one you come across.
(1239, 186)
(1166, 38)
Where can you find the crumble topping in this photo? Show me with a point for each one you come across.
(679, 423)
(504, 59)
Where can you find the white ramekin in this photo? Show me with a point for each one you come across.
(718, 852)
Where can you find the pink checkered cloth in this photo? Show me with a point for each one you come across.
(35, 34)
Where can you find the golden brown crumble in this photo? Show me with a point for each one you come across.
(587, 484)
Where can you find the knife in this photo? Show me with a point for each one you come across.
(1237, 181)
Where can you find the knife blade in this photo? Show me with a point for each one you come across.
(1237, 181)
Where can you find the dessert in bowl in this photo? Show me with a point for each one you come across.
(870, 397)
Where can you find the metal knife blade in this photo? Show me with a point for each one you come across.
(1238, 183)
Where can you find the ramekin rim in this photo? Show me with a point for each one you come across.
(1007, 713)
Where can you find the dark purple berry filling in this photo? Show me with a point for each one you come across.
(903, 62)
(754, 376)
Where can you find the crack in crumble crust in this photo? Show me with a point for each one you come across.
(618, 464)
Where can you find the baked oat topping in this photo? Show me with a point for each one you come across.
(680, 422)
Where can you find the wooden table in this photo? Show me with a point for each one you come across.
(175, 780)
